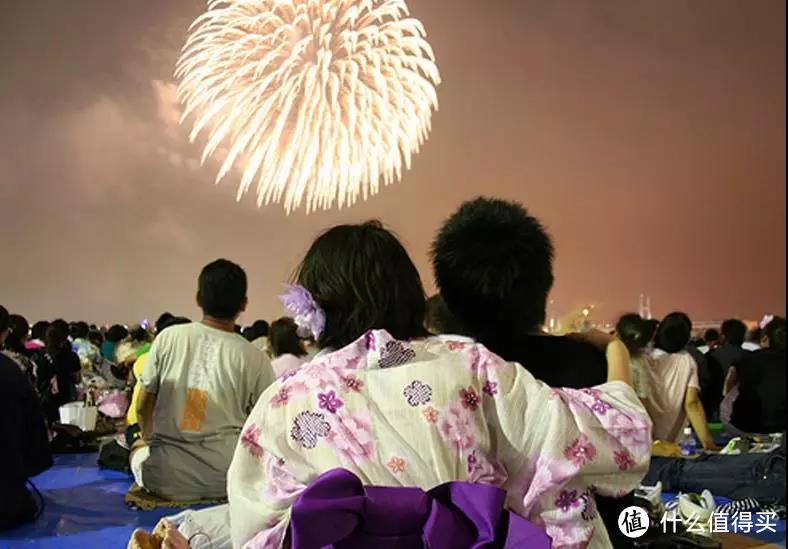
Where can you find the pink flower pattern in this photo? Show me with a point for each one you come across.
(470, 398)
(567, 500)
(351, 437)
(352, 383)
(580, 451)
(490, 387)
(396, 465)
(281, 397)
(608, 428)
(329, 402)
(624, 460)
(457, 428)
(431, 415)
(250, 438)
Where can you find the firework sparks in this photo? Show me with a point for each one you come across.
(315, 100)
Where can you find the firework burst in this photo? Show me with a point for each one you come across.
(315, 100)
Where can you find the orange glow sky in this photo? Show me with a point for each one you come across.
(649, 136)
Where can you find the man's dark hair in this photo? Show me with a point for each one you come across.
(284, 338)
(260, 328)
(711, 335)
(56, 338)
(222, 289)
(173, 321)
(674, 332)
(775, 333)
(79, 330)
(734, 331)
(439, 319)
(632, 331)
(163, 319)
(4, 319)
(95, 337)
(754, 335)
(117, 333)
(493, 264)
(363, 279)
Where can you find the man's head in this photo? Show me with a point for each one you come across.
(711, 336)
(163, 319)
(79, 330)
(733, 332)
(493, 264)
(674, 332)
(774, 335)
(4, 322)
(221, 292)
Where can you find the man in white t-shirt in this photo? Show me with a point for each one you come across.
(199, 385)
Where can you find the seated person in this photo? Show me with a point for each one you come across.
(286, 346)
(162, 324)
(631, 330)
(493, 264)
(675, 390)
(197, 389)
(58, 370)
(729, 351)
(759, 377)
(397, 409)
(25, 439)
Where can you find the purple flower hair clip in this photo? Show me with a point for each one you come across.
(308, 316)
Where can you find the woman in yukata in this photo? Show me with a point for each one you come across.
(396, 408)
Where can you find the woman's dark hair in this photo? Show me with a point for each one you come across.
(633, 332)
(116, 333)
(18, 330)
(39, 330)
(363, 279)
(775, 332)
(56, 339)
(674, 332)
(4, 319)
(284, 339)
(650, 326)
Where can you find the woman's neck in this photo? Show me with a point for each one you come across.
(219, 323)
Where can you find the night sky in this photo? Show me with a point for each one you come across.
(648, 135)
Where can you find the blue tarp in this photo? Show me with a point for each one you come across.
(85, 509)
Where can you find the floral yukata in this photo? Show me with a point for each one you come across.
(431, 411)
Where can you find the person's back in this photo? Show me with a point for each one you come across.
(671, 375)
(558, 361)
(206, 381)
(25, 444)
(730, 351)
(760, 406)
(760, 380)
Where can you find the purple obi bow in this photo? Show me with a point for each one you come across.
(337, 511)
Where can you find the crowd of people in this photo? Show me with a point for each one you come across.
(368, 376)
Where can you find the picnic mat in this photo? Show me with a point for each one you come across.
(139, 498)
(83, 508)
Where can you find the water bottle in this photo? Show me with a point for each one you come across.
(687, 443)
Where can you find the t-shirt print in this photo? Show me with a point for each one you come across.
(196, 406)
